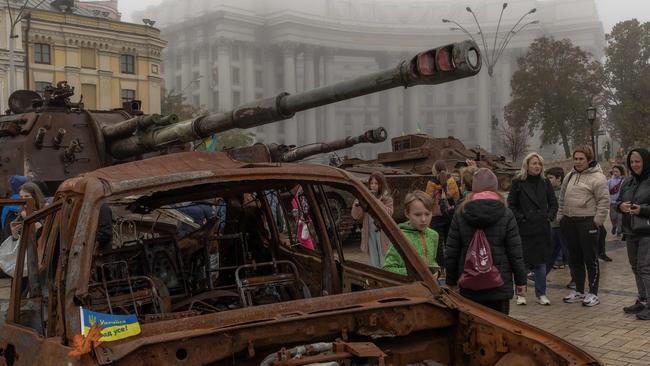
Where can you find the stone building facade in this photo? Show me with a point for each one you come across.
(225, 52)
(105, 59)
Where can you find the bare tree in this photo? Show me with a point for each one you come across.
(514, 140)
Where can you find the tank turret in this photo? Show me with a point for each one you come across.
(51, 138)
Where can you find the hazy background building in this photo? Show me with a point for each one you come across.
(225, 52)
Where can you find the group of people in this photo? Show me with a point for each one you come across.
(547, 220)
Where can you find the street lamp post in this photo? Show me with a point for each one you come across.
(490, 58)
(591, 117)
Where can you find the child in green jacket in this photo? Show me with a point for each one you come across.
(418, 209)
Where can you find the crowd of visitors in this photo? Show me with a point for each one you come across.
(546, 221)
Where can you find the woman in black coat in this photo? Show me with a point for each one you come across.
(485, 209)
(634, 200)
(533, 202)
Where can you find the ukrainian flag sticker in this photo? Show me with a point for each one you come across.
(113, 327)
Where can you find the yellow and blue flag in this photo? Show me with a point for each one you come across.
(113, 327)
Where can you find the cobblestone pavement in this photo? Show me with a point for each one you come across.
(604, 330)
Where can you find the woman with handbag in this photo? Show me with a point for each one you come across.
(634, 204)
(484, 212)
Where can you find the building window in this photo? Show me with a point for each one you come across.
(450, 99)
(88, 58)
(258, 56)
(89, 93)
(42, 53)
(235, 53)
(128, 95)
(127, 64)
(235, 75)
(154, 69)
(215, 53)
(178, 83)
(195, 57)
(215, 100)
(236, 98)
(40, 86)
(258, 79)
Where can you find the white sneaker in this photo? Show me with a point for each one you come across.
(543, 300)
(573, 296)
(521, 300)
(590, 300)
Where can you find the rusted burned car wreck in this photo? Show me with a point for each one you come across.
(240, 288)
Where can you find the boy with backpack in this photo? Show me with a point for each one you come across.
(484, 232)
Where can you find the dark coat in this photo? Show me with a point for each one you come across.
(500, 228)
(534, 205)
(635, 189)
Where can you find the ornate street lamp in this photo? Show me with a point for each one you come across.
(591, 117)
(491, 56)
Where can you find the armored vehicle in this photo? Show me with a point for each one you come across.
(237, 288)
(417, 153)
(408, 166)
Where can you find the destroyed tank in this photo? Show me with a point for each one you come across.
(53, 139)
(409, 165)
(416, 153)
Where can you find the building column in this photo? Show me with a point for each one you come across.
(270, 89)
(390, 100)
(224, 49)
(506, 75)
(249, 72)
(289, 54)
(205, 93)
(484, 115)
(310, 83)
(330, 109)
(186, 71)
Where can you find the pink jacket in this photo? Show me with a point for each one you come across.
(360, 215)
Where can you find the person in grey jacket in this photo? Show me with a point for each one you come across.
(634, 200)
(583, 207)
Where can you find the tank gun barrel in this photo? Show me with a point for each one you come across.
(435, 66)
(281, 153)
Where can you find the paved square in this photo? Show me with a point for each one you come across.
(604, 330)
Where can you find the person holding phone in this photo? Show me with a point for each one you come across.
(634, 200)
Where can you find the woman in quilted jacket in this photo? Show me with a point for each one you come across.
(485, 209)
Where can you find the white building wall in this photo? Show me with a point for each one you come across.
(335, 40)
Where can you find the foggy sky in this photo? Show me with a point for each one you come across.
(610, 11)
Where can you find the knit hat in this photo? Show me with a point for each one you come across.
(17, 181)
(485, 180)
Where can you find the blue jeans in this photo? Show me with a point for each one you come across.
(560, 252)
(540, 279)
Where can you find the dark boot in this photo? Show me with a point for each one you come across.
(644, 314)
(634, 309)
